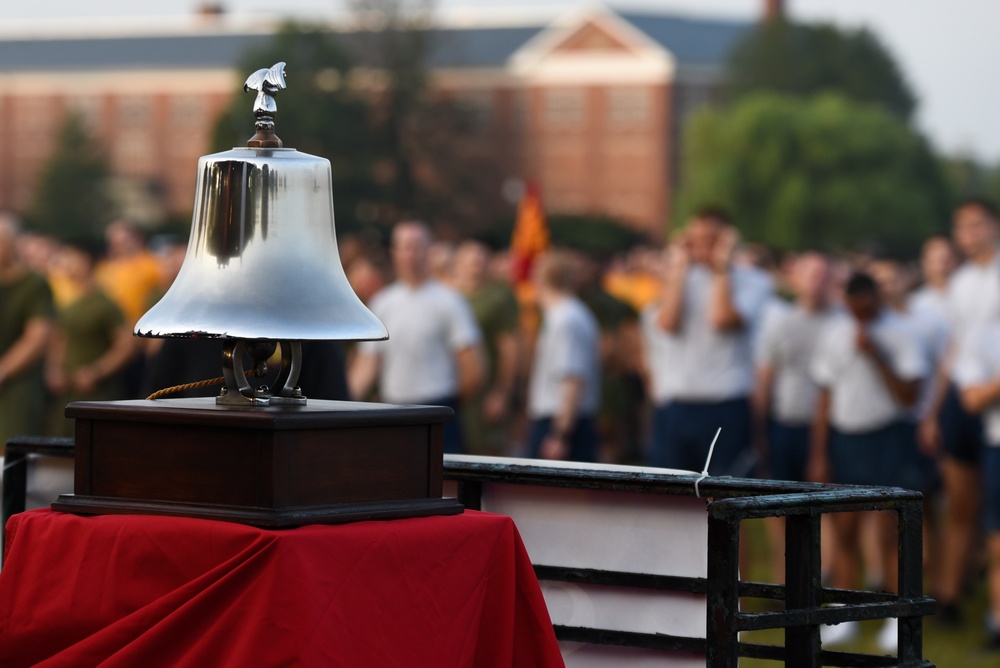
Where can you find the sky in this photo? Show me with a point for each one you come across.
(946, 48)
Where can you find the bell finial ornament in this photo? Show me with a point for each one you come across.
(262, 269)
(267, 82)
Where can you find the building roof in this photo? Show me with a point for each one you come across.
(690, 40)
(479, 47)
(126, 53)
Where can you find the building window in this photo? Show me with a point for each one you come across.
(134, 154)
(628, 105)
(629, 205)
(35, 114)
(477, 106)
(89, 109)
(567, 200)
(564, 106)
(36, 125)
(135, 111)
(522, 109)
(187, 111)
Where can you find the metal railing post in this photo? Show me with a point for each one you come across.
(802, 586)
(911, 554)
(470, 494)
(723, 592)
(731, 502)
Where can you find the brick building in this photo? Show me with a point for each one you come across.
(589, 105)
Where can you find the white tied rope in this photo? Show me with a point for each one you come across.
(708, 460)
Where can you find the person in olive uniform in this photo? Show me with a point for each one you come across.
(91, 343)
(485, 424)
(25, 324)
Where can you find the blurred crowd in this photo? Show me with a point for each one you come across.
(852, 369)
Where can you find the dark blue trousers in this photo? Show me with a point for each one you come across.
(582, 440)
(683, 431)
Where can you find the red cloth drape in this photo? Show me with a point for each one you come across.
(120, 590)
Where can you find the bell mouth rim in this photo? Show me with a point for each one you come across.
(255, 149)
(205, 336)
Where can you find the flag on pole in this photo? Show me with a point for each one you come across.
(531, 234)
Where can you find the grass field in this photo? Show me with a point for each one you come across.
(946, 647)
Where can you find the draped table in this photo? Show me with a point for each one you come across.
(131, 590)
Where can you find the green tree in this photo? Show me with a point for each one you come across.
(824, 172)
(361, 100)
(434, 162)
(799, 59)
(965, 175)
(71, 199)
(395, 37)
(992, 185)
(599, 236)
(319, 113)
(968, 177)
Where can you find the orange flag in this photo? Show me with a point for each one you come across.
(531, 234)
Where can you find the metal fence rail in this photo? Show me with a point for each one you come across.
(732, 502)
(15, 469)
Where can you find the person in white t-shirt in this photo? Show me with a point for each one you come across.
(947, 428)
(929, 305)
(930, 329)
(784, 397)
(938, 262)
(869, 367)
(699, 356)
(433, 355)
(564, 391)
(785, 393)
(977, 373)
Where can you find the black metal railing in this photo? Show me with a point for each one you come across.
(731, 502)
(15, 469)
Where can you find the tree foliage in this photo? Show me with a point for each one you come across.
(800, 59)
(437, 164)
(319, 113)
(969, 177)
(361, 100)
(71, 199)
(394, 37)
(824, 172)
(599, 236)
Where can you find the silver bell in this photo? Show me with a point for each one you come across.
(262, 264)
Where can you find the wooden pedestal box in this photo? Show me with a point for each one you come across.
(277, 466)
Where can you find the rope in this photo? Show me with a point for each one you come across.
(199, 384)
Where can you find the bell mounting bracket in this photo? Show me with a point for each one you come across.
(239, 392)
